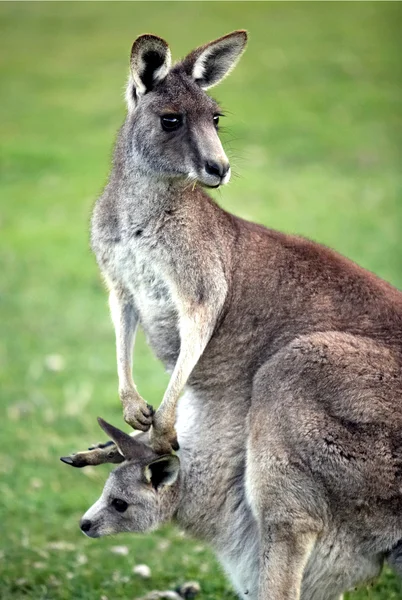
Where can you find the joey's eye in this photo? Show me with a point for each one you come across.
(120, 505)
(216, 120)
(171, 122)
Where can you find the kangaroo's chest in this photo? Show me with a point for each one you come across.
(143, 273)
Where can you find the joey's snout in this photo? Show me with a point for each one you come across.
(94, 520)
(85, 525)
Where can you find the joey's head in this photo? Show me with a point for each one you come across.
(171, 129)
(139, 495)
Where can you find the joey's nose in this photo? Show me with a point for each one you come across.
(85, 525)
(216, 169)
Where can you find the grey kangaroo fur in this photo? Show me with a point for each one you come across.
(290, 428)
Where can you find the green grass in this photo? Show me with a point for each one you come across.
(314, 131)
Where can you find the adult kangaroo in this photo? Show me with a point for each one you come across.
(300, 345)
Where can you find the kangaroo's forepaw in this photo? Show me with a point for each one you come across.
(164, 442)
(138, 413)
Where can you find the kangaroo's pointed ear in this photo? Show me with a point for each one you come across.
(126, 444)
(209, 64)
(162, 471)
(150, 62)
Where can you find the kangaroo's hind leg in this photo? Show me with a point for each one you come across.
(288, 507)
(319, 407)
(95, 455)
(106, 452)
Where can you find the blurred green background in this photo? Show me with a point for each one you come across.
(314, 135)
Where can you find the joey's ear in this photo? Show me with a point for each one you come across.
(150, 62)
(127, 445)
(162, 471)
(209, 64)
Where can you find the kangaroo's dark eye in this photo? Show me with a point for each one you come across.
(216, 120)
(171, 122)
(120, 505)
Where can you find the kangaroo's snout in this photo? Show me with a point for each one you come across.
(217, 169)
(90, 527)
(85, 525)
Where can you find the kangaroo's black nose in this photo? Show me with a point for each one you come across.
(216, 169)
(85, 525)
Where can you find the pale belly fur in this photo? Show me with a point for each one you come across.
(137, 273)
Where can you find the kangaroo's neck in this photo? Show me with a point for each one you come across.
(145, 196)
(136, 189)
(142, 194)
